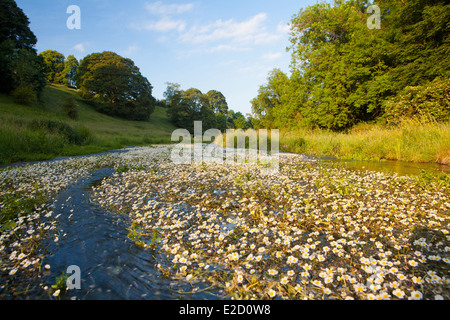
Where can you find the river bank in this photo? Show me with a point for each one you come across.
(410, 141)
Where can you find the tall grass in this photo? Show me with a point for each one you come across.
(19, 142)
(412, 140)
(262, 140)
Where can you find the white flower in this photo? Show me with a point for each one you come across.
(13, 272)
(398, 293)
(271, 293)
(413, 263)
(416, 295)
(272, 272)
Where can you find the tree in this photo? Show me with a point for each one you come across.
(172, 90)
(343, 73)
(53, 65)
(68, 75)
(217, 101)
(221, 121)
(116, 84)
(26, 66)
(188, 106)
(17, 43)
(419, 31)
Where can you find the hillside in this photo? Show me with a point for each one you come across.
(42, 131)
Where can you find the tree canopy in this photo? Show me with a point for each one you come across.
(19, 63)
(116, 84)
(187, 106)
(343, 72)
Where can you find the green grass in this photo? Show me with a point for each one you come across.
(412, 140)
(22, 140)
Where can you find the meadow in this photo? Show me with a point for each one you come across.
(43, 131)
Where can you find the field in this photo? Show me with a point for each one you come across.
(42, 131)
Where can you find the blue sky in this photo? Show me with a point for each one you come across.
(229, 46)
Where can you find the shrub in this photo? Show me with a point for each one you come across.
(72, 136)
(70, 108)
(24, 95)
(430, 101)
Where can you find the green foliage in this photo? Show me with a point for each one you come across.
(24, 95)
(116, 85)
(18, 203)
(342, 72)
(15, 36)
(70, 108)
(53, 65)
(68, 75)
(26, 66)
(428, 101)
(189, 106)
(72, 135)
(217, 101)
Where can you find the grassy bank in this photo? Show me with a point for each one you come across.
(412, 141)
(43, 131)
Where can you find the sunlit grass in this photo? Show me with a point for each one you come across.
(411, 140)
(21, 141)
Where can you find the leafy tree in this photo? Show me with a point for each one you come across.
(53, 65)
(217, 101)
(117, 84)
(68, 75)
(26, 66)
(172, 90)
(188, 106)
(342, 72)
(221, 121)
(17, 43)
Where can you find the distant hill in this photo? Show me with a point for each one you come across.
(43, 131)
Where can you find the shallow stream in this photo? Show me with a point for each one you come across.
(112, 267)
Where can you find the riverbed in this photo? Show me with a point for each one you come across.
(141, 227)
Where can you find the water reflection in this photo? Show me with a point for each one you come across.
(389, 166)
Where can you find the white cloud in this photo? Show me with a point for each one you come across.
(284, 28)
(79, 47)
(163, 25)
(158, 8)
(272, 56)
(257, 70)
(226, 47)
(251, 31)
(130, 50)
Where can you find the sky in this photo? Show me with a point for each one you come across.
(229, 46)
